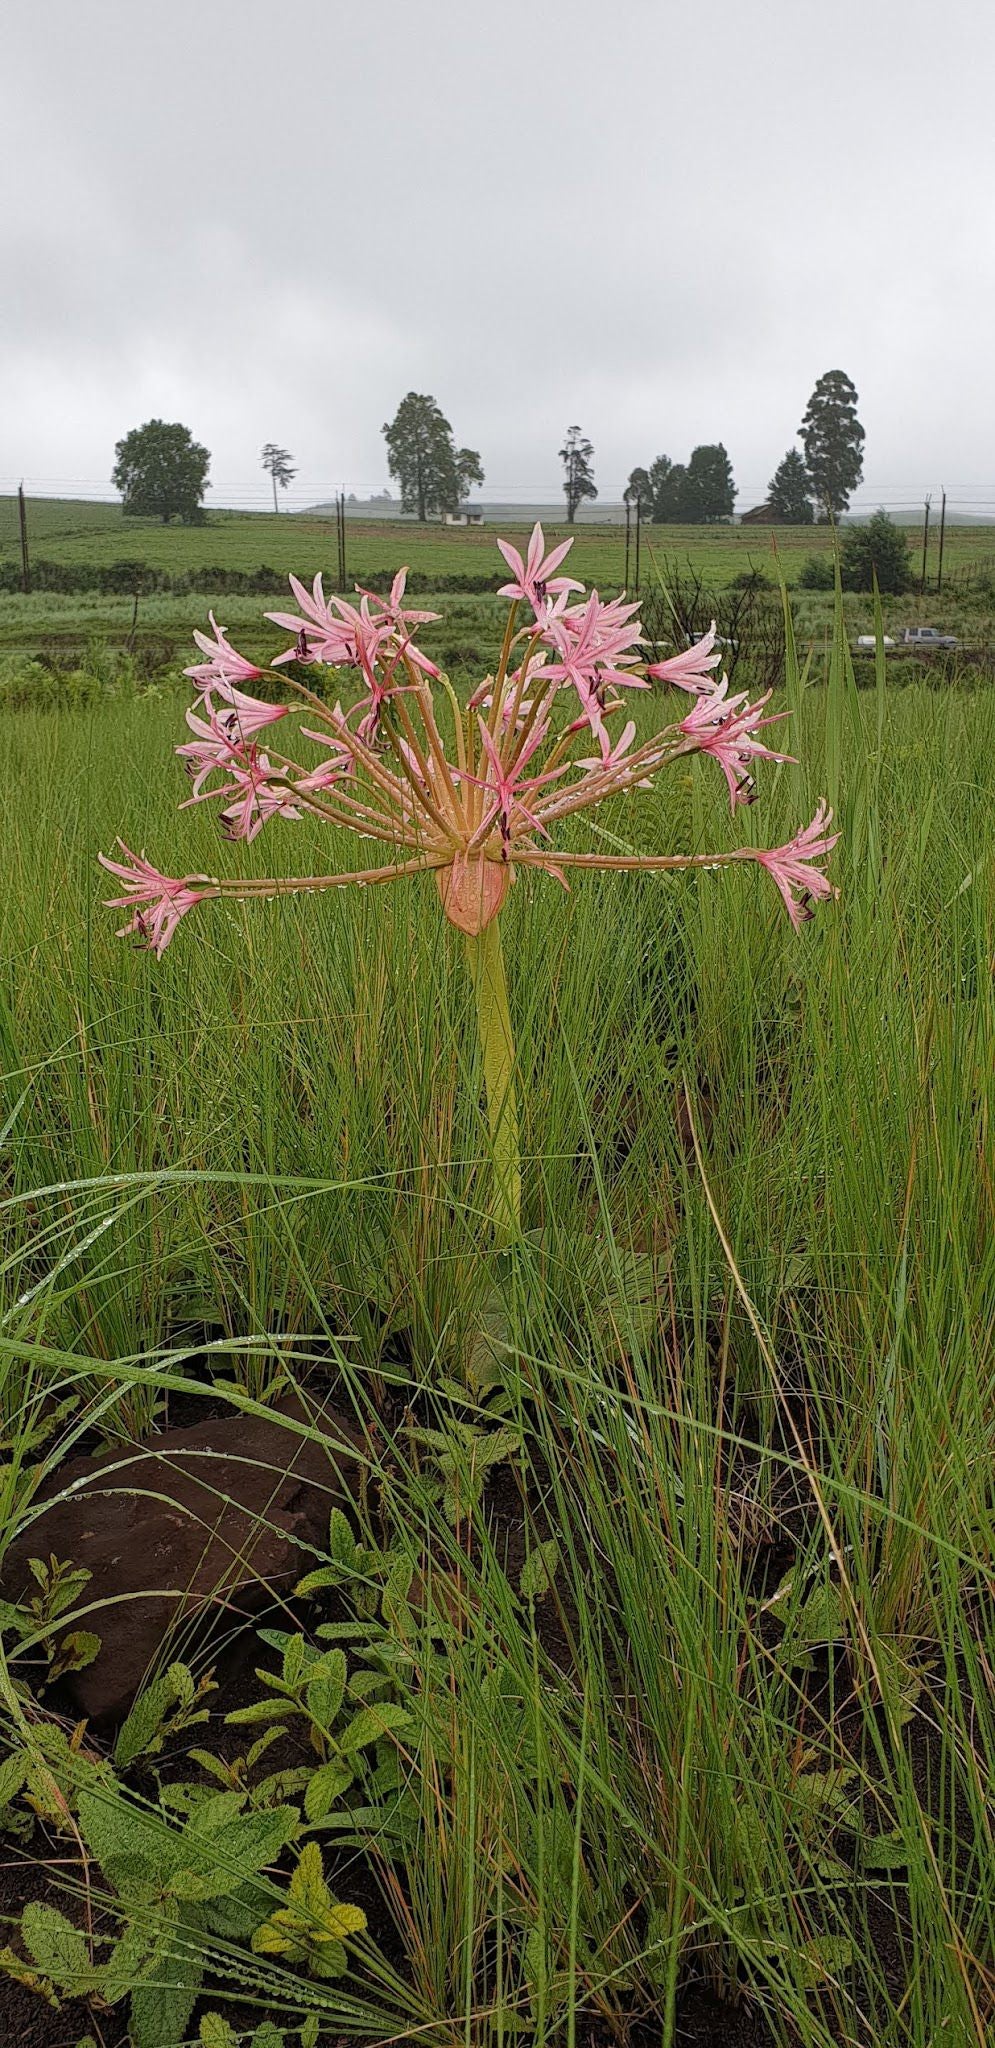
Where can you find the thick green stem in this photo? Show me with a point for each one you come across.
(497, 1049)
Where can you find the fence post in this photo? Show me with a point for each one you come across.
(22, 514)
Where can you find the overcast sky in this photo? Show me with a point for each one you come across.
(659, 218)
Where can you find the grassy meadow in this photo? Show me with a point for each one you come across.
(715, 1746)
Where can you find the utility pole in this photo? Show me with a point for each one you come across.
(639, 521)
(22, 513)
(340, 533)
(943, 521)
(628, 524)
(925, 538)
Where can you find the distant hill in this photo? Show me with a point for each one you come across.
(495, 512)
(603, 513)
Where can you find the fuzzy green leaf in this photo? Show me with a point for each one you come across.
(13, 1772)
(326, 1787)
(539, 1570)
(325, 1688)
(59, 1949)
(341, 1541)
(142, 1726)
(215, 2032)
(369, 1724)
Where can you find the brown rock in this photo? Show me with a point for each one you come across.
(187, 1536)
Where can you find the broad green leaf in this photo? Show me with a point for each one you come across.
(326, 1786)
(308, 1890)
(134, 1846)
(58, 1948)
(325, 1688)
(145, 1720)
(886, 1852)
(267, 2035)
(293, 1661)
(216, 1865)
(539, 1570)
(160, 2012)
(261, 1710)
(13, 1772)
(215, 2032)
(182, 1681)
(75, 1652)
(369, 1724)
(341, 1541)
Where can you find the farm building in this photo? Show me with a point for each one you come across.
(468, 515)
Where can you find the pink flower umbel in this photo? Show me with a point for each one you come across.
(469, 800)
(458, 798)
(158, 902)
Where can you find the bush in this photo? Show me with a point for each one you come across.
(880, 546)
(816, 573)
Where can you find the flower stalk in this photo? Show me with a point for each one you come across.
(485, 957)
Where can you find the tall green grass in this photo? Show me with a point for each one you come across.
(749, 1345)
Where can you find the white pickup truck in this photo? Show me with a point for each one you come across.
(921, 637)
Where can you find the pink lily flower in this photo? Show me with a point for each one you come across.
(726, 729)
(321, 633)
(534, 579)
(792, 866)
(340, 761)
(157, 901)
(615, 756)
(690, 670)
(212, 749)
(224, 666)
(257, 800)
(506, 784)
(390, 607)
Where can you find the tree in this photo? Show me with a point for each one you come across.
(833, 439)
(434, 476)
(667, 482)
(877, 547)
(160, 470)
(639, 492)
(279, 462)
(788, 492)
(695, 493)
(708, 489)
(576, 456)
(468, 471)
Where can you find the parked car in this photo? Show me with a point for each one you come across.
(927, 636)
(924, 637)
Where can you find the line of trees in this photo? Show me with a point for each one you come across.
(820, 482)
(161, 470)
(693, 493)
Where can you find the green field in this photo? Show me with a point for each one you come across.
(700, 1711)
(71, 531)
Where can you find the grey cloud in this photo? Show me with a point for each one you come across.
(662, 221)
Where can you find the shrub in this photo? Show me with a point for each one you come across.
(879, 546)
(816, 573)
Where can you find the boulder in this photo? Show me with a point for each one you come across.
(187, 1537)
